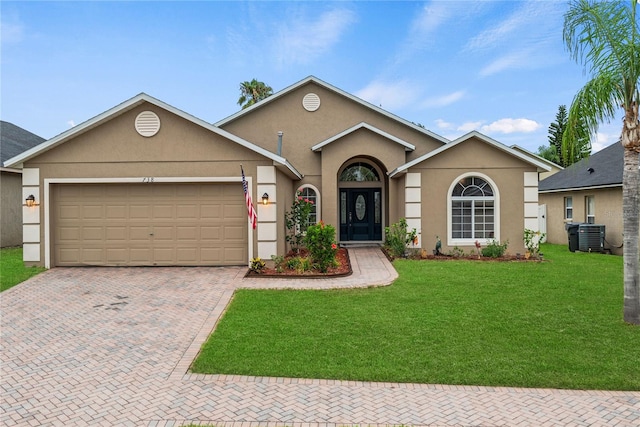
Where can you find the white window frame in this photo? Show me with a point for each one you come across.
(590, 209)
(568, 208)
(496, 212)
(316, 202)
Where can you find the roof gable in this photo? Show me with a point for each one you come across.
(327, 86)
(132, 103)
(487, 140)
(601, 169)
(15, 140)
(407, 146)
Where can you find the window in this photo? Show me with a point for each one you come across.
(359, 172)
(472, 210)
(590, 209)
(310, 193)
(568, 208)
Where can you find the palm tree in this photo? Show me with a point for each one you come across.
(252, 92)
(604, 37)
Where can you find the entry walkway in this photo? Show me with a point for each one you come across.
(111, 346)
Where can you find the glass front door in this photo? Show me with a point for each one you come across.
(360, 214)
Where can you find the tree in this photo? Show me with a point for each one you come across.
(556, 130)
(252, 92)
(554, 151)
(604, 37)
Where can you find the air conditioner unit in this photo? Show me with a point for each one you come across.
(591, 238)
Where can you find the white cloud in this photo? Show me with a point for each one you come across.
(469, 126)
(441, 124)
(11, 30)
(71, 123)
(389, 95)
(301, 41)
(509, 61)
(444, 100)
(507, 126)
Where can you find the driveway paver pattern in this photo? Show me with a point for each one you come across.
(112, 346)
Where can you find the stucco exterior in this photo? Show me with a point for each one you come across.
(415, 170)
(10, 209)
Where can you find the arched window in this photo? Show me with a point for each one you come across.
(311, 193)
(473, 212)
(359, 172)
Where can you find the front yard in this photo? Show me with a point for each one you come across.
(554, 324)
(12, 269)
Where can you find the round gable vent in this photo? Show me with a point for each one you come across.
(147, 123)
(311, 102)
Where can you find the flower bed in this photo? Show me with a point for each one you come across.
(343, 268)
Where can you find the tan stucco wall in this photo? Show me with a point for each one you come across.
(10, 209)
(180, 149)
(608, 204)
(303, 129)
(439, 172)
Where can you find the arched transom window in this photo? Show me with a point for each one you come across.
(359, 172)
(473, 210)
(309, 192)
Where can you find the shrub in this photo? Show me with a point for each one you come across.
(397, 238)
(494, 249)
(278, 262)
(257, 265)
(320, 240)
(532, 241)
(297, 221)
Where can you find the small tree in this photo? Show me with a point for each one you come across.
(297, 221)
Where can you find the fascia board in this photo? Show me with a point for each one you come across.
(126, 106)
(589, 188)
(408, 146)
(328, 86)
(486, 139)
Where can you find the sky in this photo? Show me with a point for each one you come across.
(498, 67)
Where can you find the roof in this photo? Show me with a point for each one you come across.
(522, 156)
(407, 146)
(542, 159)
(15, 140)
(132, 103)
(312, 79)
(602, 169)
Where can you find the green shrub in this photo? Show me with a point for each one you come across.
(297, 221)
(320, 240)
(494, 249)
(278, 262)
(397, 238)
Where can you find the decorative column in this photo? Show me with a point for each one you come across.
(412, 203)
(267, 218)
(531, 201)
(31, 215)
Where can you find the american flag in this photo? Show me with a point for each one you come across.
(253, 216)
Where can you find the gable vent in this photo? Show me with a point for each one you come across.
(147, 123)
(311, 102)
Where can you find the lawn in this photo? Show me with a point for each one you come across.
(554, 324)
(12, 269)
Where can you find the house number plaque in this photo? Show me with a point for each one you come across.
(147, 179)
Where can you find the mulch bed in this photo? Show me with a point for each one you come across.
(343, 269)
(468, 257)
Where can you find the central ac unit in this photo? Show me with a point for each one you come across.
(591, 238)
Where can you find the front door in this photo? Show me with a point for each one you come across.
(360, 214)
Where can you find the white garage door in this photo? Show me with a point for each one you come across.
(149, 224)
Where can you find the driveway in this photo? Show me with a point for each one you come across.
(112, 346)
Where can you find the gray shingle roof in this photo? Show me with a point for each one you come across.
(15, 140)
(603, 168)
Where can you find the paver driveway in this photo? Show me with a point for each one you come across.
(111, 346)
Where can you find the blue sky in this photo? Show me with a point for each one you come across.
(452, 66)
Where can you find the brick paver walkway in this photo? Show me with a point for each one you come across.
(111, 346)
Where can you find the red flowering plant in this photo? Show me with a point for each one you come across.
(320, 240)
(297, 220)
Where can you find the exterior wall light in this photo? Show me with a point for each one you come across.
(31, 201)
(265, 199)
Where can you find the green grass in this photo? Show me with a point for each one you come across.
(555, 324)
(12, 269)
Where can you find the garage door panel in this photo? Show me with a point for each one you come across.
(149, 224)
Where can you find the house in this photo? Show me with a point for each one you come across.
(13, 141)
(145, 183)
(588, 191)
(544, 174)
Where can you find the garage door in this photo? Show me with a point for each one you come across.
(149, 224)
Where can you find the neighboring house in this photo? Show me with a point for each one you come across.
(13, 141)
(589, 191)
(145, 183)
